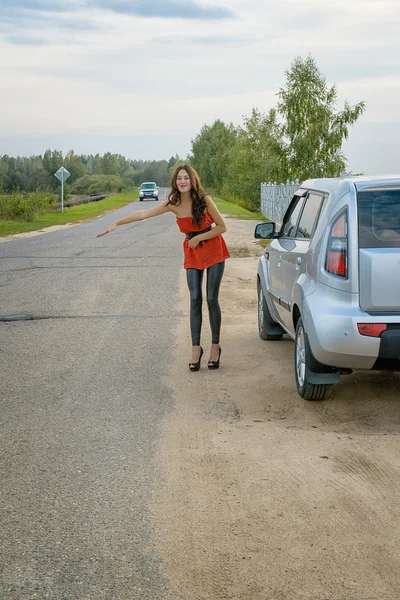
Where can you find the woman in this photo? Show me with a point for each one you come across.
(204, 250)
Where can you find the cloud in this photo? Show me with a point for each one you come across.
(32, 24)
(171, 9)
(22, 6)
(22, 40)
(204, 40)
(36, 22)
(78, 24)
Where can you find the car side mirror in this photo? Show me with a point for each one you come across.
(264, 231)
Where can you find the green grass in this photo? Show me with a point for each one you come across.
(74, 214)
(85, 212)
(235, 211)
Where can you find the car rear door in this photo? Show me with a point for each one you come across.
(379, 248)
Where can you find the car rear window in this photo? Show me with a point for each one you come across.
(379, 218)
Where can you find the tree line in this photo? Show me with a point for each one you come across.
(301, 137)
(90, 174)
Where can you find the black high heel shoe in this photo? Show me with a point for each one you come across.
(214, 364)
(195, 366)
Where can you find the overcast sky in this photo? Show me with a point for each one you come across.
(141, 77)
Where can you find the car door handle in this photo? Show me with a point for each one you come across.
(266, 254)
(279, 260)
(298, 263)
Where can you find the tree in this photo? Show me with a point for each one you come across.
(174, 160)
(156, 170)
(255, 157)
(74, 165)
(52, 161)
(313, 131)
(173, 164)
(210, 153)
(3, 173)
(109, 164)
(93, 165)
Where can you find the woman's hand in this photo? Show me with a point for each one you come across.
(109, 229)
(194, 242)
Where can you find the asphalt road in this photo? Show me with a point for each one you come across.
(86, 327)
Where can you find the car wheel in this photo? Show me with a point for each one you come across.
(141, 199)
(306, 389)
(263, 314)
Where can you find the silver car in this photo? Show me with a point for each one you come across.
(148, 189)
(330, 279)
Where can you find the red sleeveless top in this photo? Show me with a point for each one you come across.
(209, 253)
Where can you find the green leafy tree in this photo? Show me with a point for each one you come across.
(52, 161)
(109, 164)
(93, 164)
(40, 180)
(74, 165)
(210, 153)
(313, 130)
(255, 157)
(3, 173)
(174, 160)
(173, 163)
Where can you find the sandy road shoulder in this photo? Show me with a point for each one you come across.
(263, 495)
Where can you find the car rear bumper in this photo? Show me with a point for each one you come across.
(389, 351)
(333, 334)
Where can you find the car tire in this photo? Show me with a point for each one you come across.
(263, 315)
(141, 199)
(306, 389)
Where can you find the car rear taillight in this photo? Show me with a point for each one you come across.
(371, 329)
(336, 256)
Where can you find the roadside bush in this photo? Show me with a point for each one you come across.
(81, 185)
(24, 207)
(97, 184)
(249, 203)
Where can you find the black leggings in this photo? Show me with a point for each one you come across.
(195, 279)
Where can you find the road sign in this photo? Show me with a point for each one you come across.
(62, 174)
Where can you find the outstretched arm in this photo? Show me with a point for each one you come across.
(139, 215)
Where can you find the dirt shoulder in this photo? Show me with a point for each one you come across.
(265, 496)
(28, 234)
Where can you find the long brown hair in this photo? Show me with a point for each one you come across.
(197, 192)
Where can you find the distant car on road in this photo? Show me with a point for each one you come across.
(330, 279)
(148, 189)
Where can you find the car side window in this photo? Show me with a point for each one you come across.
(291, 217)
(309, 216)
